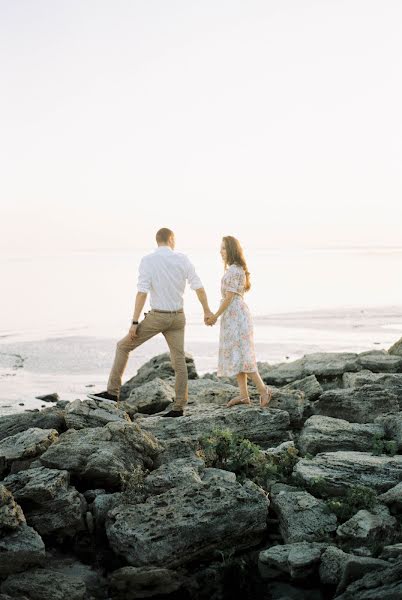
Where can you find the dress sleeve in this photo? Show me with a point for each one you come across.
(234, 281)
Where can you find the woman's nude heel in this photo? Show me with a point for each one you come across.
(264, 403)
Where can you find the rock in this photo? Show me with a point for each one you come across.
(11, 515)
(282, 373)
(265, 427)
(379, 584)
(338, 471)
(369, 527)
(212, 474)
(159, 366)
(177, 473)
(187, 523)
(35, 583)
(48, 397)
(396, 349)
(49, 503)
(390, 381)
(93, 413)
(101, 456)
(302, 517)
(150, 398)
(292, 401)
(380, 361)
(205, 391)
(393, 497)
(393, 551)
(101, 506)
(299, 559)
(50, 418)
(339, 568)
(326, 434)
(143, 582)
(309, 385)
(357, 405)
(19, 550)
(18, 450)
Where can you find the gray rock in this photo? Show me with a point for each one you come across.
(130, 583)
(49, 418)
(293, 402)
(338, 471)
(379, 584)
(302, 517)
(49, 503)
(300, 559)
(101, 456)
(380, 361)
(35, 583)
(212, 474)
(101, 506)
(48, 397)
(177, 473)
(11, 515)
(390, 381)
(393, 551)
(159, 366)
(326, 434)
(23, 447)
(205, 391)
(357, 405)
(309, 385)
(393, 497)
(186, 523)
(340, 569)
(93, 413)
(149, 398)
(369, 527)
(396, 349)
(19, 550)
(262, 426)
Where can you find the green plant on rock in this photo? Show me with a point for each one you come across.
(224, 449)
(357, 498)
(381, 446)
(133, 485)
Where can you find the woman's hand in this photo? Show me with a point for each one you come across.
(211, 320)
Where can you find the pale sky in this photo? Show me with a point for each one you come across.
(278, 122)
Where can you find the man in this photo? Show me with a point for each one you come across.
(163, 274)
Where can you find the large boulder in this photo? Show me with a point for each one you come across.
(327, 434)
(266, 427)
(309, 385)
(390, 381)
(302, 517)
(366, 528)
(380, 361)
(205, 391)
(93, 413)
(20, 549)
(11, 515)
(49, 418)
(149, 398)
(292, 401)
(159, 366)
(393, 497)
(49, 503)
(38, 584)
(324, 365)
(378, 584)
(396, 349)
(101, 456)
(357, 405)
(187, 523)
(341, 470)
(299, 560)
(19, 450)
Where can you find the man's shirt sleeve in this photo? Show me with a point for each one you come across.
(192, 277)
(144, 277)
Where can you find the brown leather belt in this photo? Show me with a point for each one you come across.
(170, 312)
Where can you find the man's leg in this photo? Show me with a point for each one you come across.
(174, 336)
(150, 326)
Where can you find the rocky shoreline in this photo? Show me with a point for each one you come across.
(299, 500)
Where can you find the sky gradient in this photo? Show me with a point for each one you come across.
(278, 122)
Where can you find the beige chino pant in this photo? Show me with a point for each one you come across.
(171, 325)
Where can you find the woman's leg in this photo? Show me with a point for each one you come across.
(243, 398)
(265, 391)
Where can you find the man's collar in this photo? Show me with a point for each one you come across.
(163, 248)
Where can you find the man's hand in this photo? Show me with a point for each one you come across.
(133, 331)
(207, 315)
(210, 320)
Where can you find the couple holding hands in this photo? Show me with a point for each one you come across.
(164, 274)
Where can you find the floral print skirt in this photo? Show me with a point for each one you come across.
(236, 340)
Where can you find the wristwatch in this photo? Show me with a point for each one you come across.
(134, 323)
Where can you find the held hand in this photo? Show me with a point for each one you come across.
(133, 331)
(211, 320)
(207, 315)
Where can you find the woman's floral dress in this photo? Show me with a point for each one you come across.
(236, 342)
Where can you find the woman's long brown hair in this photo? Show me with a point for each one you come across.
(235, 256)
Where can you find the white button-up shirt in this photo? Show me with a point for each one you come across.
(164, 274)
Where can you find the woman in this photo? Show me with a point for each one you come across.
(236, 344)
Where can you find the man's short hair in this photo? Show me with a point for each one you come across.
(163, 235)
